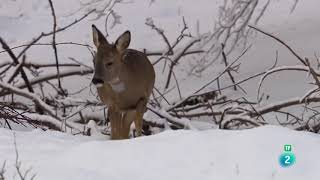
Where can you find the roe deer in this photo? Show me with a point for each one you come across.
(124, 79)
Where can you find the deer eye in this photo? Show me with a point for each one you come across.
(109, 64)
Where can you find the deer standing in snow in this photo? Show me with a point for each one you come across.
(124, 79)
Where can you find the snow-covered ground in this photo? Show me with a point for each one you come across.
(188, 155)
(210, 154)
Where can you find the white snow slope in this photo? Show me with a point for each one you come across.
(171, 155)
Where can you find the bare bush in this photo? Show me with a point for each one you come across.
(66, 112)
(22, 175)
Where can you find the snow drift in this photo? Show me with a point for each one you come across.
(171, 155)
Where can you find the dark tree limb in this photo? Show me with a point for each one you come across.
(19, 69)
(281, 42)
(54, 46)
(228, 71)
(177, 58)
(50, 44)
(35, 40)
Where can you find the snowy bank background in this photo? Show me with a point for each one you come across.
(287, 98)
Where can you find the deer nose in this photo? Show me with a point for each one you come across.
(97, 81)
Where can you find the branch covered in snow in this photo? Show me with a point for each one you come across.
(30, 96)
(63, 73)
(9, 114)
(281, 68)
(46, 108)
(182, 122)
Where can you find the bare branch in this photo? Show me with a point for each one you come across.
(50, 76)
(150, 23)
(177, 58)
(224, 71)
(226, 63)
(282, 68)
(262, 12)
(294, 5)
(16, 61)
(185, 123)
(2, 171)
(49, 44)
(22, 175)
(281, 42)
(35, 40)
(30, 96)
(54, 46)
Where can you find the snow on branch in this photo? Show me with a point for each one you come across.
(241, 118)
(46, 108)
(54, 123)
(185, 123)
(281, 68)
(63, 73)
(30, 96)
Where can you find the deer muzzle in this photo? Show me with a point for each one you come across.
(97, 82)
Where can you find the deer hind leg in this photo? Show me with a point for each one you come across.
(140, 110)
(138, 124)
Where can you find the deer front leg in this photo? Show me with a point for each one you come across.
(120, 123)
(128, 117)
(115, 123)
(140, 110)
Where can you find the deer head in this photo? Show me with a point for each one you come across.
(108, 59)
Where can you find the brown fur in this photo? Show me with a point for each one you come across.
(135, 72)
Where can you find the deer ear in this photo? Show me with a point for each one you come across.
(98, 37)
(123, 41)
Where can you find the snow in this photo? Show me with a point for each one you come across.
(171, 155)
(192, 154)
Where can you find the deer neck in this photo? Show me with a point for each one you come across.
(117, 85)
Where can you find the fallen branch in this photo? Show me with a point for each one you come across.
(241, 118)
(30, 96)
(181, 122)
(46, 108)
(258, 111)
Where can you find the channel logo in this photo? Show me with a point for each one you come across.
(287, 158)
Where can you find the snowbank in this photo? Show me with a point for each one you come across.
(172, 155)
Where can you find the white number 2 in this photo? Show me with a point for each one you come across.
(287, 161)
